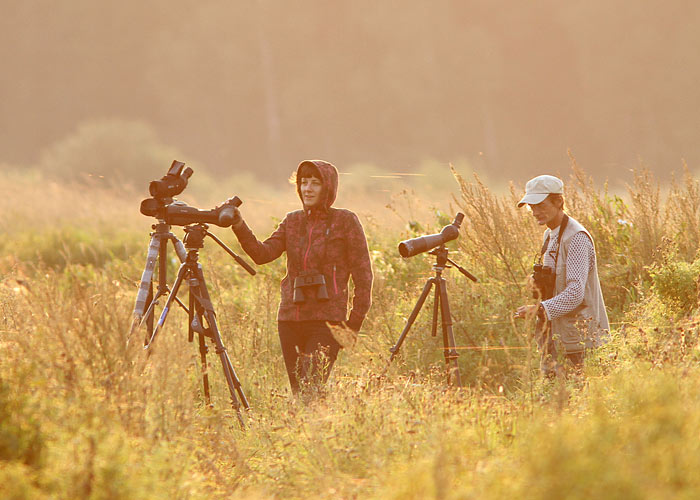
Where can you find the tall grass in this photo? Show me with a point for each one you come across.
(84, 415)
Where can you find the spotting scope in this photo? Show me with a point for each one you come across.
(414, 246)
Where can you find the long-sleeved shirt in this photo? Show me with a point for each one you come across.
(580, 260)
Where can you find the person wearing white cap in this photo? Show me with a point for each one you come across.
(571, 312)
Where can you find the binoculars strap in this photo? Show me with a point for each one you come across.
(562, 228)
(545, 245)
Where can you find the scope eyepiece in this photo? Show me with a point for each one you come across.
(172, 183)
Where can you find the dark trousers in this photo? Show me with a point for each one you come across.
(309, 351)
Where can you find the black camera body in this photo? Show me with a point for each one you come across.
(544, 279)
(309, 284)
(172, 183)
(177, 213)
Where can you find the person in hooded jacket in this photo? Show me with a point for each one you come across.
(325, 246)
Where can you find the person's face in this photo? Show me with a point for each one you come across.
(546, 212)
(311, 188)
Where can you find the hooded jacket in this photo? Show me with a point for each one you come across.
(324, 240)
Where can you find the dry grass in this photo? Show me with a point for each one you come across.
(84, 416)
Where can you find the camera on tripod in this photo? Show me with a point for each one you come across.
(200, 309)
(435, 243)
(543, 280)
(164, 207)
(309, 284)
(414, 246)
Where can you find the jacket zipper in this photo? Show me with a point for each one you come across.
(306, 256)
(308, 248)
(335, 285)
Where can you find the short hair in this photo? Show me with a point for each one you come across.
(557, 199)
(308, 169)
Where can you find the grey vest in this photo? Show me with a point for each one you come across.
(586, 326)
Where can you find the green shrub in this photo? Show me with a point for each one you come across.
(109, 152)
(675, 282)
(21, 438)
(19, 482)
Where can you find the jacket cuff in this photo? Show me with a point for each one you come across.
(354, 323)
(241, 230)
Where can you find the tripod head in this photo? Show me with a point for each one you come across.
(441, 254)
(194, 240)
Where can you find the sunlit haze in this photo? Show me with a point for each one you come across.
(257, 86)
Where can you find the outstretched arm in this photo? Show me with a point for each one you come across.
(261, 252)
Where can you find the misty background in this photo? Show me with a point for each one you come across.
(252, 87)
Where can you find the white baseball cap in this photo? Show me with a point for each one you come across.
(537, 189)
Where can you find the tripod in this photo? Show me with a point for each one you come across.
(441, 304)
(200, 309)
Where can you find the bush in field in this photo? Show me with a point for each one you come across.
(20, 435)
(110, 152)
(683, 215)
(676, 283)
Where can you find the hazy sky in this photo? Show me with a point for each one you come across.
(508, 86)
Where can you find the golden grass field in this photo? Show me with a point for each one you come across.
(83, 415)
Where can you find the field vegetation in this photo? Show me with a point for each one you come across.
(84, 415)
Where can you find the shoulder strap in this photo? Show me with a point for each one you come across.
(562, 228)
(545, 245)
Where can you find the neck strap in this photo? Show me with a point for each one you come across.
(562, 228)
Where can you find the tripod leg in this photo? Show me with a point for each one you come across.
(448, 335)
(196, 325)
(179, 248)
(411, 319)
(166, 308)
(234, 385)
(149, 317)
(232, 381)
(203, 349)
(145, 294)
(436, 309)
(162, 287)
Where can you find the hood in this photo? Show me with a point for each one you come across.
(329, 178)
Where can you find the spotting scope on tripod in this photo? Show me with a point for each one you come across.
(434, 244)
(200, 310)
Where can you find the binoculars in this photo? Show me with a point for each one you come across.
(544, 279)
(309, 284)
